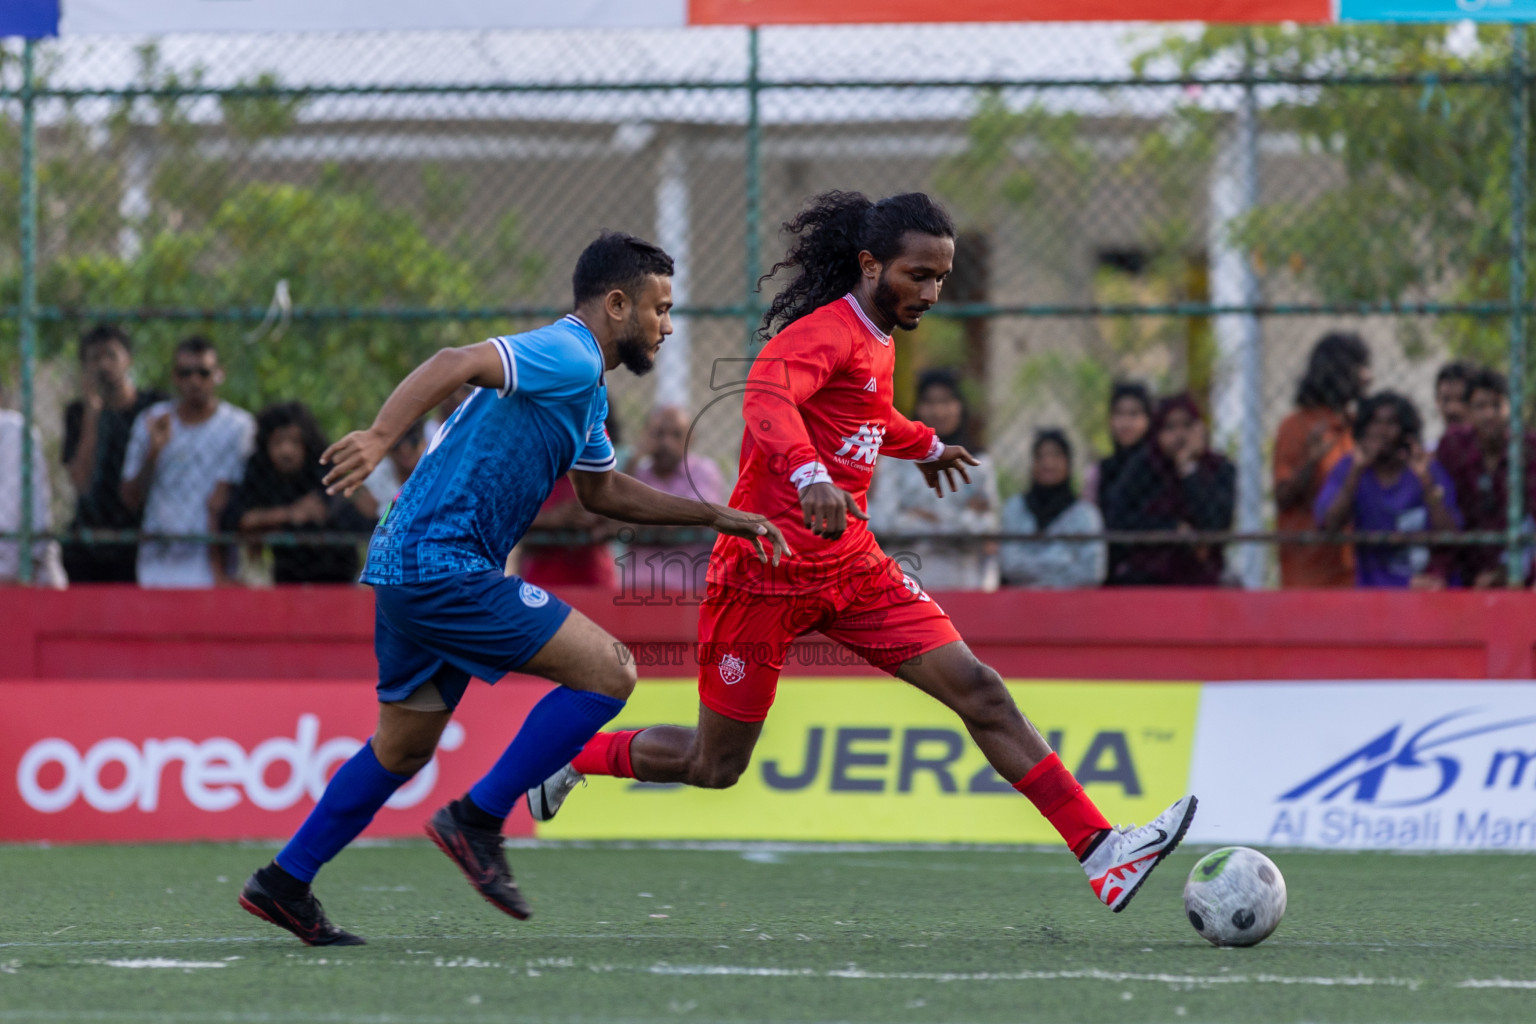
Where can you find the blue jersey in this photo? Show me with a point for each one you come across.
(490, 467)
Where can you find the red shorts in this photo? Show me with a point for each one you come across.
(881, 615)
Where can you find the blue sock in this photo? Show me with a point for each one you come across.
(553, 733)
(354, 795)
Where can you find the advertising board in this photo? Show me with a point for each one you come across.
(1386, 765)
(839, 759)
(119, 761)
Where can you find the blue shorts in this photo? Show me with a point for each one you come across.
(480, 624)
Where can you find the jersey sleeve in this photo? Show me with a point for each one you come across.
(791, 367)
(597, 455)
(542, 363)
(906, 439)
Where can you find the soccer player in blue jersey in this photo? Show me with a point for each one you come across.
(444, 609)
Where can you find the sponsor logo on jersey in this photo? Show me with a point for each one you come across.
(533, 596)
(864, 445)
(871, 385)
(732, 669)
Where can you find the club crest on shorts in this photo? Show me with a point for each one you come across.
(732, 669)
(533, 597)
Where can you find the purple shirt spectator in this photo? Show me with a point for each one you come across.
(1399, 505)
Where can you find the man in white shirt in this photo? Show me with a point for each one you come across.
(183, 458)
(47, 569)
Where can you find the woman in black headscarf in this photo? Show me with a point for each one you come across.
(1130, 414)
(1172, 482)
(1051, 507)
(940, 547)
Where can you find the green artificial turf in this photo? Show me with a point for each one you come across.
(95, 933)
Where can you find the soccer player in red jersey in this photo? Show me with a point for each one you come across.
(818, 411)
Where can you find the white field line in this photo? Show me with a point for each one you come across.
(1010, 937)
(225, 939)
(161, 962)
(500, 1016)
(856, 974)
(86, 943)
(313, 1017)
(535, 967)
(859, 974)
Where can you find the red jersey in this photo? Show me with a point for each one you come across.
(817, 408)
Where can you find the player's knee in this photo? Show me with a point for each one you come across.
(719, 777)
(621, 681)
(718, 774)
(987, 703)
(403, 757)
(616, 678)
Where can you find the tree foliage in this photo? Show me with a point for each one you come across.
(1406, 194)
(209, 232)
(1044, 174)
(1422, 208)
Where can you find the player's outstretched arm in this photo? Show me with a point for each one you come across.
(953, 460)
(353, 457)
(620, 496)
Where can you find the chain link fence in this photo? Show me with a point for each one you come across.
(1187, 208)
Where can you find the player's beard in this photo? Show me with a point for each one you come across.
(634, 349)
(888, 305)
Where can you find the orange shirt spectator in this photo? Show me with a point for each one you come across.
(1310, 443)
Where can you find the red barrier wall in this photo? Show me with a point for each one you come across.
(1204, 635)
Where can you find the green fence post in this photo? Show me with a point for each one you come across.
(28, 309)
(754, 181)
(1518, 171)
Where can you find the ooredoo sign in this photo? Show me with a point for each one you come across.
(91, 761)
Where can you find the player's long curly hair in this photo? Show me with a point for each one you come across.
(828, 237)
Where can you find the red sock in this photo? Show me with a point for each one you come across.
(607, 753)
(1060, 797)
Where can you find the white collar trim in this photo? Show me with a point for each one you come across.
(880, 336)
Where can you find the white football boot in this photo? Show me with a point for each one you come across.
(545, 798)
(1126, 856)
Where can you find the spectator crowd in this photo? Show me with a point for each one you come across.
(224, 497)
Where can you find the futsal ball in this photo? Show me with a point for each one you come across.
(1235, 897)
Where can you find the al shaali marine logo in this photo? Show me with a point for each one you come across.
(1389, 772)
